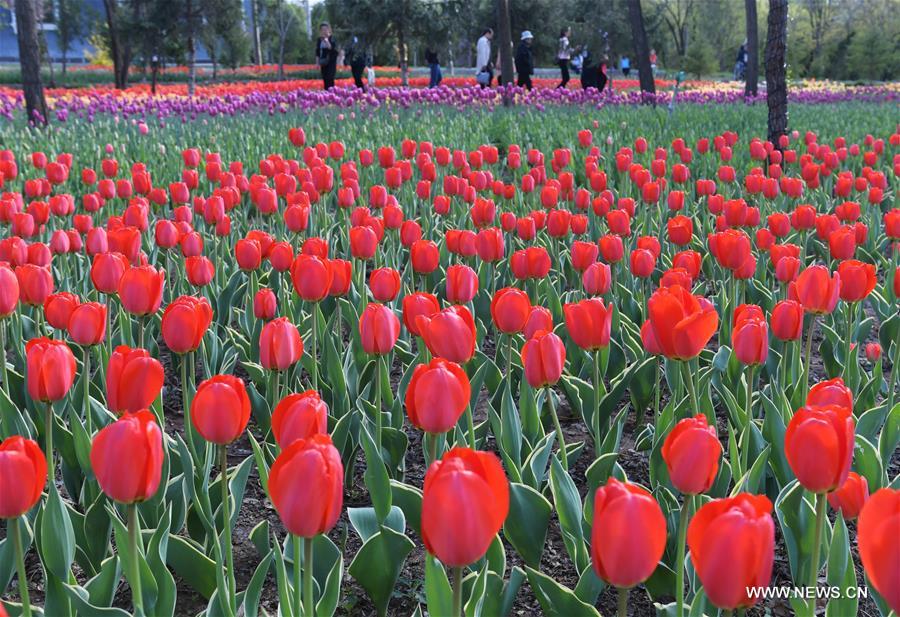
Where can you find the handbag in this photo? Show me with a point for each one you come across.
(370, 75)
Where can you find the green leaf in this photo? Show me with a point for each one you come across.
(377, 565)
(376, 477)
(841, 572)
(409, 499)
(82, 604)
(365, 521)
(438, 593)
(527, 522)
(253, 593)
(568, 509)
(557, 600)
(328, 571)
(57, 541)
(189, 563)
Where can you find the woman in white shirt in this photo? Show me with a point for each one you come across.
(563, 56)
(483, 56)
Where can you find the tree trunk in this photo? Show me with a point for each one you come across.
(404, 63)
(117, 48)
(281, 42)
(254, 33)
(504, 44)
(30, 61)
(641, 47)
(752, 76)
(191, 48)
(776, 73)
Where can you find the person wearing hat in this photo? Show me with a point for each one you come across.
(525, 60)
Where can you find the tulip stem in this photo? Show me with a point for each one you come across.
(186, 403)
(48, 445)
(656, 396)
(623, 602)
(689, 379)
(559, 434)
(298, 580)
(817, 544)
(679, 557)
(308, 604)
(849, 342)
(315, 351)
(470, 422)
(745, 451)
(807, 359)
(87, 390)
(378, 419)
(431, 439)
(226, 526)
(133, 535)
(598, 437)
(13, 529)
(895, 368)
(457, 592)
(4, 374)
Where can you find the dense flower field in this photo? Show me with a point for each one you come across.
(398, 359)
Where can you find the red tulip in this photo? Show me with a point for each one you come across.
(682, 323)
(873, 352)
(878, 537)
(851, 496)
(732, 544)
(248, 254)
(220, 409)
(312, 277)
(35, 284)
(750, 336)
(787, 320)
(306, 485)
(184, 322)
(265, 304)
(58, 308)
(831, 392)
(543, 358)
(199, 270)
(341, 277)
(628, 535)
(589, 323)
(280, 345)
(107, 271)
(379, 329)
(509, 309)
(127, 458)
(642, 263)
(23, 475)
(437, 395)
(133, 379)
(597, 279)
(465, 501)
(385, 284)
(462, 284)
(418, 304)
(449, 334)
(817, 290)
(51, 369)
(87, 323)
(9, 291)
(691, 452)
(141, 289)
(539, 318)
(612, 249)
(857, 280)
(424, 256)
(363, 242)
(299, 416)
(818, 445)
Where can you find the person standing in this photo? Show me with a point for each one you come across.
(653, 61)
(525, 60)
(356, 57)
(563, 56)
(434, 66)
(625, 65)
(326, 55)
(483, 57)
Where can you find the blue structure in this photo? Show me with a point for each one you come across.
(9, 45)
(76, 54)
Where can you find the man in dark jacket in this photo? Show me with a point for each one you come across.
(525, 60)
(326, 55)
(356, 57)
